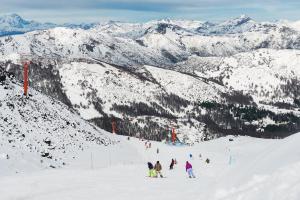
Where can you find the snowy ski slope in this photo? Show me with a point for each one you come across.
(245, 168)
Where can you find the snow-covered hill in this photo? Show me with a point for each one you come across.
(170, 73)
(40, 132)
(269, 75)
(244, 168)
(149, 95)
(115, 86)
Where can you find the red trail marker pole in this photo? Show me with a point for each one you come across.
(26, 68)
(173, 135)
(114, 129)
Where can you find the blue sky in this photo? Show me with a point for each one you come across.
(60, 11)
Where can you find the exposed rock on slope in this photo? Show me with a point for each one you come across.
(42, 130)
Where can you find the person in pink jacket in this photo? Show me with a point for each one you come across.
(189, 169)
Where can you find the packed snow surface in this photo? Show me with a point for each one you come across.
(245, 168)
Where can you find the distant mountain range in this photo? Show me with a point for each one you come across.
(206, 79)
(13, 24)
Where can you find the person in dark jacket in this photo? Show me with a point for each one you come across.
(172, 164)
(150, 166)
(158, 169)
(152, 172)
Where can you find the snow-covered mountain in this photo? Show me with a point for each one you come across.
(205, 80)
(40, 132)
(269, 75)
(13, 24)
(234, 77)
(155, 43)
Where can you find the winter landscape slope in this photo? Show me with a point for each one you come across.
(206, 79)
(245, 168)
(268, 75)
(40, 132)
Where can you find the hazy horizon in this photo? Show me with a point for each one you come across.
(78, 11)
(127, 21)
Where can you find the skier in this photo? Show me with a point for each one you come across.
(152, 172)
(189, 170)
(157, 150)
(158, 169)
(191, 156)
(207, 161)
(172, 164)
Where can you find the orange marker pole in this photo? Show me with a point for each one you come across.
(113, 124)
(26, 66)
(173, 135)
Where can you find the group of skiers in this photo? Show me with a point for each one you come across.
(148, 145)
(155, 170)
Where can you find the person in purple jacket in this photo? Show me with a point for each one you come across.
(189, 169)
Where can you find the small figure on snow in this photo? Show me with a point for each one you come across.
(191, 156)
(172, 164)
(157, 150)
(207, 160)
(189, 169)
(158, 169)
(152, 172)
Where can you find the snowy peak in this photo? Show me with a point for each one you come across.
(12, 24)
(84, 26)
(163, 28)
(243, 19)
(14, 20)
(186, 24)
(15, 24)
(294, 25)
(232, 26)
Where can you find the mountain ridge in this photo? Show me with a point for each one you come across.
(13, 24)
(234, 78)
